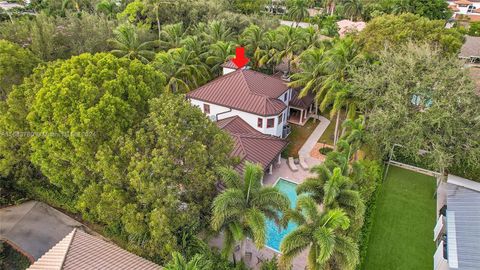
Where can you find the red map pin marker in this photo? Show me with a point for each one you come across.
(240, 60)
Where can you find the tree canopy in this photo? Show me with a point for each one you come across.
(416, 97)
(392, 30)
(15, 64)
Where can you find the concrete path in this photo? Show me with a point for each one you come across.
(314, 137)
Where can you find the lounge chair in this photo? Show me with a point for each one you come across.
(292, 165)
(303, 164)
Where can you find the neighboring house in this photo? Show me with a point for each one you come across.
(251, 145)
(32, 228)
(465, 10)
(80, 250)
(470, 50)
(347, 26)
(457, 232)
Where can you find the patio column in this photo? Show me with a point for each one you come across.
(279, 159)
(270, 169)
(301, 116)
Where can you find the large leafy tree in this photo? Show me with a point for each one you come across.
(15, 64)
(323, 233)
(81, 105)
(242, 209)
(416, 97)
(151, 186)
(392, 30)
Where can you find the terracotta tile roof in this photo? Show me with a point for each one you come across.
(475, 75)
(250, 144)
(302, 103)
(82, 251)
(468, 17)
(229, 64)
(471, 47)
(244, 90)
(454, 8)
(463, 2)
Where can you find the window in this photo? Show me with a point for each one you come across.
(285, 97)
(260, 123)
(270, 122)
(280, 119)
(206, 108)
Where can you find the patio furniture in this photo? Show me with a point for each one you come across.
(303, 164)
(291, 164)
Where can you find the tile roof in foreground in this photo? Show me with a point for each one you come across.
(250, 144)
(471, 47)
(244, 90)
(82, 251)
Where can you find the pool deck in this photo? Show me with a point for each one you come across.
(282, 170)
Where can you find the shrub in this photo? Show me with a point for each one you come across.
(325, 150)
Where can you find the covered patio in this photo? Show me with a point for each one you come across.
(301, 109)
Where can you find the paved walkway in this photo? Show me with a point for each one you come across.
(314, 137)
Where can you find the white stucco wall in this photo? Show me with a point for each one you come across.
(222, 112)
(465, 9)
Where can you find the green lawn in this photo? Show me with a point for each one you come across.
(298, 136)
(402, 231)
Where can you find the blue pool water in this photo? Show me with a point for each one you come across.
(274, 234)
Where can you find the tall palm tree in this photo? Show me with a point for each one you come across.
(330, 6)
(107, 7)
(252, 38)
(323, 233)
(183, 69)
(127, 44)
(193, 43)
(217, 54)
(216, 31)
(353, 9)
(171, 36)
(288, 45)
(297, 10)
(332, 189)
(178, 262)
(242, 209)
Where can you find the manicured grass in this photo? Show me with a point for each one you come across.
(298, 137)
(402, 231)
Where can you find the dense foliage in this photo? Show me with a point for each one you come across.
(393, 31)
(432, 9)
(415, 97)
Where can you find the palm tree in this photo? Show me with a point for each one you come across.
(330, 6)
(216, 31)
(217, 54)
(178, 262)
(332, 189)
(323, 233)
(353, 9)
(242, 209)
(193, 43)
(298, 10)
(171, 36)
(183, 69)
(288, 45)
(107, 7)
(127, 44)
(252, 38)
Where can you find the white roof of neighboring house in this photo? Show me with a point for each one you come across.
(346, 26)
(463, 223)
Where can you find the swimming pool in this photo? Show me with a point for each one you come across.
(274, 234)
